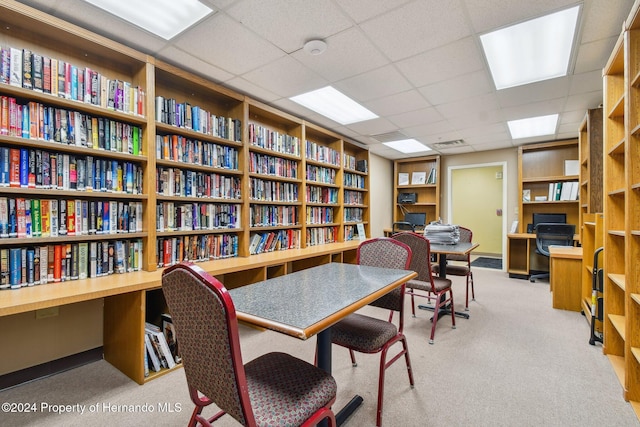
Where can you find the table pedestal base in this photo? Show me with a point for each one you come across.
(444, 311)
(348, 409)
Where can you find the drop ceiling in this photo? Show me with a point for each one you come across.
(417, 64)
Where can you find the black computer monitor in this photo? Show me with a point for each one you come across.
(418, 219)
(539, 218)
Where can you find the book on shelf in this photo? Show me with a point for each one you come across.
(151, 351)
(164, 353)
(431, 179)
(169, 331)
(418, 178)
(403, 178)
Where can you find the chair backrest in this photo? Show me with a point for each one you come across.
(403, 226)
(466, 236)
(420, 254)
(551, 233)
(386, 252)
(207, 329)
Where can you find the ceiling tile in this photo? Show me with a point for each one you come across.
(400, 102)
(361, 10)
(288, 24)
(416, 117)
(348, 53)
(590, 55)
(403, 32)
(184, 60)
(374, 84)
(218, 41)
(443, 63)
(455, 89)
(285, 77)
(534, 92)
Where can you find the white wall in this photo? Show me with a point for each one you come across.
(380, 194)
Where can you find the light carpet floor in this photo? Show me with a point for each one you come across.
(515, 362)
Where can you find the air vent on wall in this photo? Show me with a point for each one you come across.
(389, 136)
(449, 144)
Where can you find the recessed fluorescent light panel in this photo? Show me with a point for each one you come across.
(335, 105)
(407, 146)
(532, 51)
(534, 126)
(164, 18)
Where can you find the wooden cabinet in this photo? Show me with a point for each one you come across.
(621, 207)
(541, 167)
(419, 176)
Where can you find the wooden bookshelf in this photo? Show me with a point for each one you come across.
(355, 186)
(590, 143)
(134, 297)
(540, 165)
(621, 205)
(427, 192)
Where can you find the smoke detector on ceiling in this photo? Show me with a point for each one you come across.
(315, 47)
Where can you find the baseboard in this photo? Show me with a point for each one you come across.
(50, 368)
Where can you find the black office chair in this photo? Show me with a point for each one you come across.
(547, 234)
(403, 226)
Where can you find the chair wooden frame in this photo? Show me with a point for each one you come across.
(194, 296)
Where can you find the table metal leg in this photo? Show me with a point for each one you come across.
(324, 362)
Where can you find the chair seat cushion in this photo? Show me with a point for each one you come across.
(438, 283)
(452, 269)
(362, 333)
(286, 391)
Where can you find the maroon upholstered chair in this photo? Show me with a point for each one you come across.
(436, 288)
(275, 389)
(461, 269)
(367, 334)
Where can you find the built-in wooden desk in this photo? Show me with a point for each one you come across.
(565, 264)
(522, 258)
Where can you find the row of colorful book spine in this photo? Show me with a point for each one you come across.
(353, 214)
(270, 165)
(37, 121)
(354, 180)
(193, 151)
(273, 216)
(263, 137)
(321, 174)
(353, 197)
(321, 235)
(319, 215)
(195, 248)
(186, 183)
(317, 194)
(26, 218)
(172, 216)
(40, 265)
(322, 153)
(40, 73)
(34, 168)
(184, 115)
(274, 241)
(272, 191)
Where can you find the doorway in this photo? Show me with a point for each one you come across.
(477, 200)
